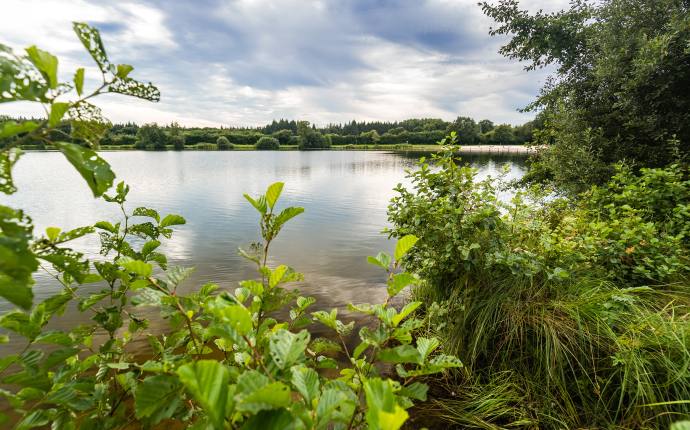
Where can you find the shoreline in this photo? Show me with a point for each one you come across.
(483, 149)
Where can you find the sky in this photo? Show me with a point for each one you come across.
(247, 62)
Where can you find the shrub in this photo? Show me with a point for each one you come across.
(584, 303)
(223, 143)
(267, 143)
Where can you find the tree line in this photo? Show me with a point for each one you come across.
(302, 134)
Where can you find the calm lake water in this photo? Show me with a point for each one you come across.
(345, 195)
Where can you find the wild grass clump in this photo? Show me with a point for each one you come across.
(583, 303)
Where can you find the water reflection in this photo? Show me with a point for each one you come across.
(345, 195)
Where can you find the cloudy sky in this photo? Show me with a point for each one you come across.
(246, 62)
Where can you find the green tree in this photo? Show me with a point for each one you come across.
(309, 138)
(466, 129)
(622, 73)
(175, 136)
(485, 126)
(150, 136)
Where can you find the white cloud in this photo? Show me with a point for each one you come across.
(247, 62)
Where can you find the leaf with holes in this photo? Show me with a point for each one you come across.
(288, 348)
(95, 170)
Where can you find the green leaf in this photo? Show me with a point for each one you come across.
(157, 397)
(277, 275)
(46, 63)
(306, 382)
(17, 261)
(426, 346)
(235, 315)
(287, 214)
(12, 128)
(151, 213)
(400, 354)
(90, 166)
(399, 281)
(207, 381)
(415, 390)
(52, 233)
(288, 348)
(404, 312)
(172, 219)
(273, 193)
(105, 225)
(404, 244)
(259, 204)
(382, 260)
(91, 39)
(136, 266)
(57, 111)
(79, 80)
(271, 396)
(383, 412)
(123, 70)
(20, 323)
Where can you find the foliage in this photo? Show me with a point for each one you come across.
(175, 137)
(309, 138)
(223, 143)
(269, 143)
(151, 136)
(225, 361)
(581, 304)
(620, 88)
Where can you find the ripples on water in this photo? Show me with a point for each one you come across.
(345, 195)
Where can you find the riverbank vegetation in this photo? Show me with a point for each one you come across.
(569, 305)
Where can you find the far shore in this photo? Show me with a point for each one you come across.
(486, 149)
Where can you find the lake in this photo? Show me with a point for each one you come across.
(345, 195)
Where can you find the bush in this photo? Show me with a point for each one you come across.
(583, 302)
(223, 143)
(267, 143)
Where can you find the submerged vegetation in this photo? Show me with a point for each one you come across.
(565, 307)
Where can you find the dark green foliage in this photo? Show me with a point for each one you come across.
(309, 138)
(176, 137)
(150, 136)
(267, 143)
(224, 144)
(582, 304)
(283, 136)
(620, 92)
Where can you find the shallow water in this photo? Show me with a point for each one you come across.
(345, 195)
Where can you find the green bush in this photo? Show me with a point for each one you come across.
(267, 143)
(223, 143)
(583, 303)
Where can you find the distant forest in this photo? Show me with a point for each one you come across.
(424, 131)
